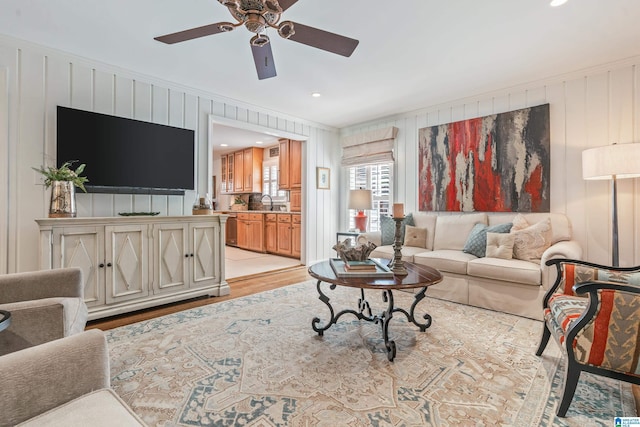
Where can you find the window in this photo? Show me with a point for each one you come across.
(270, 181)
(378, 178)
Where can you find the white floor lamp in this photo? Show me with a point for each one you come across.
(613, 162)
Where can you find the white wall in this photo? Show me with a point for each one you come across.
(591, 108)
(38, 79)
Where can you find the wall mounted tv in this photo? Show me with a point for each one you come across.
(124, 155)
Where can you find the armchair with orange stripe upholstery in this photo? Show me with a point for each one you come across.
(593, 312)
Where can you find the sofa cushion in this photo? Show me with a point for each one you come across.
(445, 260)
(98, 408)
(507, 270)
(388, 228)
(500, 245)
(387, 252)
(426, 220)
(476, 243)
(452, 230)
(531, 242)
(415, 236)
(560, 224)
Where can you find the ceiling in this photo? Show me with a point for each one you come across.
(412, 53)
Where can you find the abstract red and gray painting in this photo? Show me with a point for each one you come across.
(496, 163)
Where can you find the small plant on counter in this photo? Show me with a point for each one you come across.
(239, 201)
(64, 173)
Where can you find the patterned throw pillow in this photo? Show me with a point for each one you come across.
(415, 236)
(531, 242)
(388, 228)
(500, 245)
(477, 241)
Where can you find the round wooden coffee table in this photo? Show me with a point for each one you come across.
(419, 276)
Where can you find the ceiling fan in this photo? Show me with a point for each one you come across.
(258, 15)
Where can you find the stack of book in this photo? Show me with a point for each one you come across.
(368, 268)
(367, 265)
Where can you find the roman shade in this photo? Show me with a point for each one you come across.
(374, 146)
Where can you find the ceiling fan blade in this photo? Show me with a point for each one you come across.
(193, 33)
(324, 40)
(263, 58)
(286, 4)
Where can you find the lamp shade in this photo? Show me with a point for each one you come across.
(619, 160)
(360, 200)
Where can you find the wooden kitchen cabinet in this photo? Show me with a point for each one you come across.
(227, 173)
(252, 170)
(295, 197)
(290, 164)
(271, 233)
(238, 174)
(251, 231)
(296, 236)
(284, 235)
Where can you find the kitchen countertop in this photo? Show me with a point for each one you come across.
(263, 212)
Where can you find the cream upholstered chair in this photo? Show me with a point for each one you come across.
(44, 305)
(597, 333)
(65, 382)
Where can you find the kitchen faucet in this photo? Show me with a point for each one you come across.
(270, 199)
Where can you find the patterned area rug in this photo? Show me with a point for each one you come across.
(255, 361)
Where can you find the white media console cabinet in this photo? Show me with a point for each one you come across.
(135, 262)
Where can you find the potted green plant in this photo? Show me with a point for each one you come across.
(63, 181)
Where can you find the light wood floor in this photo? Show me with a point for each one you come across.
(240, 287)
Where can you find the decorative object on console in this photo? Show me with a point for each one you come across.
(360, 252)
(360, 200)
(202, 206)
(613, 162)
(63, 182)
(467, 177)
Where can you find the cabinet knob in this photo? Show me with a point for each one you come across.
(186, 255)
(191, 255)
(101, 265)
(108, 264)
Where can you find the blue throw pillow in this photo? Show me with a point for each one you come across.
(477, 241)
(388, 228)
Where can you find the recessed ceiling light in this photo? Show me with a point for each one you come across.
(556, 3)
(258, 142)
(315, 94)
(224, 145)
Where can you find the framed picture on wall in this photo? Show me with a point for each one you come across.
(323, 178)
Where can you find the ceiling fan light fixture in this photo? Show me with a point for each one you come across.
(286, 29)
(272, 7)
(255, 23)
(226, 26)
(230, 3)
(259, 40)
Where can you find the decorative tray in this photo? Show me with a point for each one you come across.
(138, 213)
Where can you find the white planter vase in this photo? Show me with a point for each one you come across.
(63, 200)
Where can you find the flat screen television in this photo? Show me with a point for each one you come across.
(125, 155)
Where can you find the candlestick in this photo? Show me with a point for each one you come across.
(398, 210)
(397, 265)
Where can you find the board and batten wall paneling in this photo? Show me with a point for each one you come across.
(588, 109)
(36, 79)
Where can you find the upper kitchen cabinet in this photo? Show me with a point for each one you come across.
(290, 162)
(252, 170)
(242, 171)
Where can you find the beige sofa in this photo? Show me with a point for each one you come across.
(513, 286)
(65, 382)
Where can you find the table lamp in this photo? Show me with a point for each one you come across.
(360, 200)
(613, 162)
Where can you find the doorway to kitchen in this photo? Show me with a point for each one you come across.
(241, 263)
